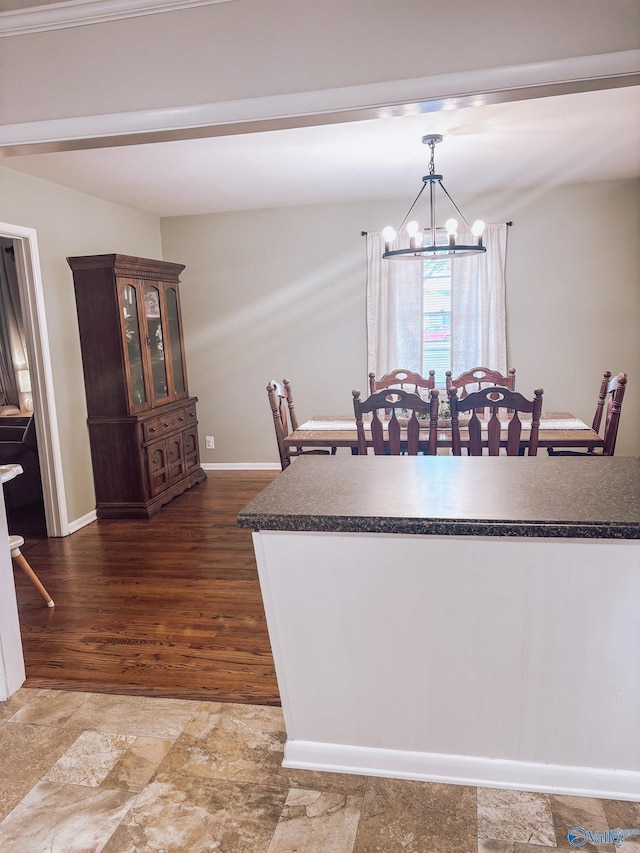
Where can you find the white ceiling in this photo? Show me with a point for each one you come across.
(548, 141)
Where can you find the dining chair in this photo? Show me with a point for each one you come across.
(400, 378)
(494, 399)
(610, 396)
(285, 421)
(15, 544)
(397, 407)
(478, 378)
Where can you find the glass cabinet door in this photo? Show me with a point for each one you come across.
(134, 345)
(155, 339)
(173, 322)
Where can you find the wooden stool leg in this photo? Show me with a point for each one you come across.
(33, 577)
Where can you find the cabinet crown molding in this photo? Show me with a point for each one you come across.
(128, 265)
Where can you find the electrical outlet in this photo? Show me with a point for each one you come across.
(210, 444)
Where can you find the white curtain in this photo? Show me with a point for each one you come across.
(13, 354)
(394, 311)
(478, 314)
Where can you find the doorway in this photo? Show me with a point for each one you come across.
(18, 441)
(25, 245)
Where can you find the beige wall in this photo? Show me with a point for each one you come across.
(69, 223)
(574, 309)
(270, 294)
(255, 48)
(276, 293)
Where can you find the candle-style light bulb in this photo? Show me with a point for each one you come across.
(477, 229)
(452, 226)
(388, 235)
(417, 239)
(412, 230)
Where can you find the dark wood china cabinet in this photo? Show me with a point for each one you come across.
(142, 421)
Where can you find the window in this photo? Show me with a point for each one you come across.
(436, 319)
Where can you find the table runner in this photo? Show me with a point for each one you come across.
(549, 423)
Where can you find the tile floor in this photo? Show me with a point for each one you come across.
(93, 772)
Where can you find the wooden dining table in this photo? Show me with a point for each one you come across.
(557, 429)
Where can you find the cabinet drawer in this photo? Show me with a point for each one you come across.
(151, 429)
(173, 420)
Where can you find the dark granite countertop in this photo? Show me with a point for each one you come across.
(568, 497)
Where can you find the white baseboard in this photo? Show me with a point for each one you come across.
(82, 521)
(240, 466)
(463, 770)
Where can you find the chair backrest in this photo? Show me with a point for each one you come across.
(478, 378)
(288, 395)
(405, 379)
(277, 401)
(400, 405)
(602, 398)
(494, 399)
(615, 390)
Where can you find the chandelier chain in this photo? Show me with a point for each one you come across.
(432, 164)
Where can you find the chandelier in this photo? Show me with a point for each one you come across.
(419, 248)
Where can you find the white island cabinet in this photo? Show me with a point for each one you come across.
(463, 620)
(12, 672)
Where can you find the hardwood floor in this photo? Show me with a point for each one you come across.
(165, 607)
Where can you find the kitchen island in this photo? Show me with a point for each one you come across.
(12, 672)
(457, 619)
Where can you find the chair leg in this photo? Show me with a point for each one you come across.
(33, 577)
